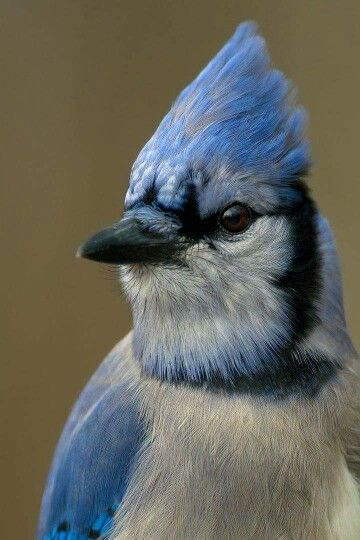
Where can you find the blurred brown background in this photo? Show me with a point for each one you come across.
(83, 84)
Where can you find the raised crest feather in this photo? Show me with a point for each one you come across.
(238, 112)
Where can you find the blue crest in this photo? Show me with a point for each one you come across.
(237, 114)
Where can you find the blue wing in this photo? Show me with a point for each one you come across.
(93, 460)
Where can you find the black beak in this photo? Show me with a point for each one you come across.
(128, 242)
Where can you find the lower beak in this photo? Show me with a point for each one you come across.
(127, 242)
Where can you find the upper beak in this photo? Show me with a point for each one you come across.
(128, 242)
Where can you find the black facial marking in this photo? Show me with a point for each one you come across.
(192, 226)
(292, 375)
(302, 281)
(189, 215)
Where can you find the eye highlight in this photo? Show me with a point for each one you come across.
(235, 218)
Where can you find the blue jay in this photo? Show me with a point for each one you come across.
(231, 411)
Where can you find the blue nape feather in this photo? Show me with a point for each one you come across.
(237, 113)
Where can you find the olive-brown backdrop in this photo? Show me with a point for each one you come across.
(82, 86)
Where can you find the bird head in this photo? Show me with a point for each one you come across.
(219, 249)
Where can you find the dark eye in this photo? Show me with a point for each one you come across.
(235, 218)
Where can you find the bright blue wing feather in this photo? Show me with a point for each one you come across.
(93, 460)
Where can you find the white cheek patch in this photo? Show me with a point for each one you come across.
(265, 248)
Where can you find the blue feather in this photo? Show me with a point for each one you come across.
(237, 113)
(92, 463)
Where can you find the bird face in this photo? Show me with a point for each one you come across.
(218, 275)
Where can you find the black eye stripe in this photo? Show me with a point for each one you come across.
(193, 226)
